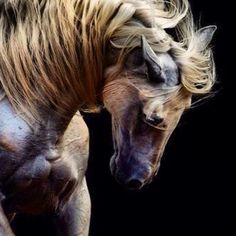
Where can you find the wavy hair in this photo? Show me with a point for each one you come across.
(53, 53)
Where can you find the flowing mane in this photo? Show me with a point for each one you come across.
(54, 52)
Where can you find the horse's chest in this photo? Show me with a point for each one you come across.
(39, 186)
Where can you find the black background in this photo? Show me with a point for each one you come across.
(193, 193)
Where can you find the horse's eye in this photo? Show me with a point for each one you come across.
(154, 120)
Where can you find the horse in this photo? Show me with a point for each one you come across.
(140, 59)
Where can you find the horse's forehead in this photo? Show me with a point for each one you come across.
(166, 61)
(170, 70)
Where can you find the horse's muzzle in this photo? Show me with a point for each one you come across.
(130, 177)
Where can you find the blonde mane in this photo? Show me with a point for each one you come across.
(53, 52)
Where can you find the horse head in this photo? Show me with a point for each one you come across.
(146, 102)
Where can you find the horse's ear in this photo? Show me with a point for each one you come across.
(205, 35)
(150, 59)
(148, 53)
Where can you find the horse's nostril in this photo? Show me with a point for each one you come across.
(134, 184)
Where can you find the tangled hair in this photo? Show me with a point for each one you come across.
(53, 52)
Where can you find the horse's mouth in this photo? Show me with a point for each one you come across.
(130, 182)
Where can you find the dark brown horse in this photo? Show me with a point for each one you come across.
(58, 56)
